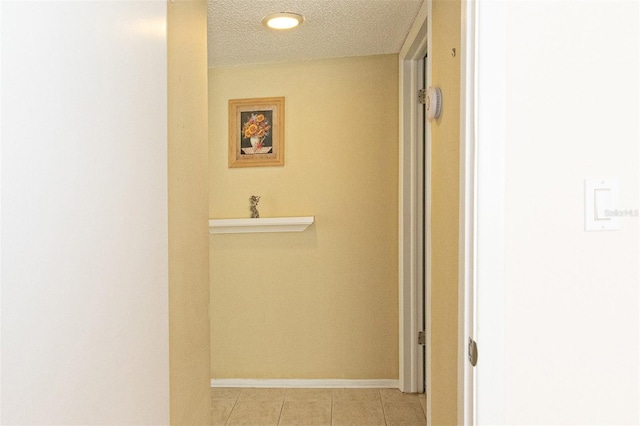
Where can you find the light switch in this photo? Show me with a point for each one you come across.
(602, 204)
(601, 200)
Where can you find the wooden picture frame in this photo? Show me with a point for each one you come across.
(256, 132)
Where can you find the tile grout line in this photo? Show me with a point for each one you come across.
(384, 414)
(284, 398)
(232, 408)
(331, 407)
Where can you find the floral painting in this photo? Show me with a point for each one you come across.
(256, 136)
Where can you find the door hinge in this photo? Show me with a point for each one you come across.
(422, 96)
(473, 352)
(421, 338)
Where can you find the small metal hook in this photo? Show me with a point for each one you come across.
(453, 52)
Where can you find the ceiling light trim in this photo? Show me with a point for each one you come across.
(282, 20)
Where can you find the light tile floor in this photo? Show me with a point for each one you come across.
(302, 407)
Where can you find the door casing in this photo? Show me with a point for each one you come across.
(411, 168)
(467, 220)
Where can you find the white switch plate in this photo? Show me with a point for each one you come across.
(600, 204)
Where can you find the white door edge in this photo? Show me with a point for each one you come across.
(467, 247)
(489, 96)
(412, 52)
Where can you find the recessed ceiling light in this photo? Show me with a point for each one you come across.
(282, 20)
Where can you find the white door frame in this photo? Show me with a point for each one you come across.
(467, 221)
(410, 168)
(488, 95)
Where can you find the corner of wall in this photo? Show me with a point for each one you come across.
(188, 212)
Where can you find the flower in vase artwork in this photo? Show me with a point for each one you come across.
(256, 132)
(256, 135)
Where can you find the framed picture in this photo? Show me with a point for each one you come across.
(256, 132)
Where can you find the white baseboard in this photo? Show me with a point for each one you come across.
(303, 383)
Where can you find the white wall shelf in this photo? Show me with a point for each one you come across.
(262, 224)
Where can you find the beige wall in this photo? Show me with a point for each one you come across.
(320, 304)
(444, 220)
(188, 213)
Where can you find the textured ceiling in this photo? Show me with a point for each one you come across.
(332, 29)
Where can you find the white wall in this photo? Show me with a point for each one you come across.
(84, 213)
(559, 101)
